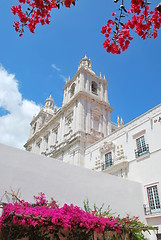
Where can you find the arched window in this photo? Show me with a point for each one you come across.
(72, 90)
(94, 87)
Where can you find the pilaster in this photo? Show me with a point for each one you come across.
(101, 92)
(88, 118)
(82, 79)
(50, 139)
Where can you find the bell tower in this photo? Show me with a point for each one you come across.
(83, 119)
(87, 93)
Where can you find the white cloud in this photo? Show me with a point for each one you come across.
(58, 70)
(15, 126)
(55, 67)
(63, 77)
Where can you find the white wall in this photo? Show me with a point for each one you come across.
(66, 183)
(147, 168)
(140, 169)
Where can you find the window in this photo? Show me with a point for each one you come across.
(46, 139)
(158, 236)
(153, 198)
(38, 145)
(72, 90)
(108, 159)
(142, 148)
(56, 136)
(94, 87)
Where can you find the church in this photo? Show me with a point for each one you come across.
(83, 119)
(81, 133)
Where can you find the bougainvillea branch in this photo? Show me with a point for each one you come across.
(35, 12)
(46, 220)
(141, 19)
(144, 21)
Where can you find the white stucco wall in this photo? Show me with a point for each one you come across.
(145, 169)
(66, 183)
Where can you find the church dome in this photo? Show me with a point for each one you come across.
(49, 103)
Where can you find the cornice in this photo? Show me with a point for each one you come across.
(62, 147)
(90, 97)
(61, 111)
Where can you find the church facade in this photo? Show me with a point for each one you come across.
(83, 119)
(81, 133)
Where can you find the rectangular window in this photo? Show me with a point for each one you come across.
(153, 197)
(108, 159)
(46, 139)
(159, 236)
(142, 148)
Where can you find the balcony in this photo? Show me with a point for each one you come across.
(152, 212)
(116, 167)
(142, 151)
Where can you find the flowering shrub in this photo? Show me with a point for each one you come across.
(46, 220)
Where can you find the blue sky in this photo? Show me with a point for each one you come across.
(40, 62)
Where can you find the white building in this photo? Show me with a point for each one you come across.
(81, 133)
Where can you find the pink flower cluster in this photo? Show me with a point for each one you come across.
(44, 214)
(36, 11)
(145, 23)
